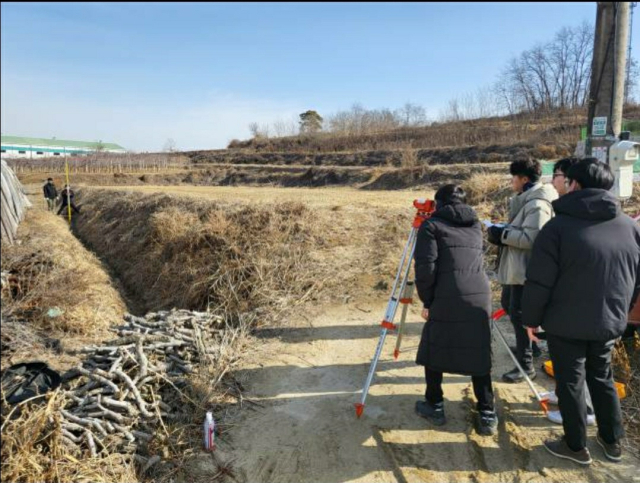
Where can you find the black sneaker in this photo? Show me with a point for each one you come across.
(515, 376)
(434, 413)
(487, 423)
(613, 451)
(560, 449)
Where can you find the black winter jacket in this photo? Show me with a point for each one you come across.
(584, 269)
(50, 191)
(452, 284)
(64, 196)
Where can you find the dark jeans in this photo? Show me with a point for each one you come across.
(482, 388)
(511, 302)
(63, 206)
(575, 361)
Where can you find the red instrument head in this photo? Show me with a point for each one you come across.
(424, 206)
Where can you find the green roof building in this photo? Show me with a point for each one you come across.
(24, 147)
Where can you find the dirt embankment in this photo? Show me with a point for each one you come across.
(60, 288)
(396, 158)
(57, 299)
(541, 127)
(287, 176)
(184, 252)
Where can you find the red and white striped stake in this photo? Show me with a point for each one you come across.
(544, 402)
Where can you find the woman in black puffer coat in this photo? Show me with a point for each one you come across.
(456, 294)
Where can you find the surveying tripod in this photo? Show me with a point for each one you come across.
(401, 293)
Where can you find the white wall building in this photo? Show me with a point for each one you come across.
(30, 148)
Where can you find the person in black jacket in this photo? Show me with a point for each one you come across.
(50, 194)
(66, 197)
(455, 291)
(581, 280)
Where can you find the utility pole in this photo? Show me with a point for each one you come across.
(607, 90)
(620, 65)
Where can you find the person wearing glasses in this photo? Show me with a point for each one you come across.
(561, 184)
(560, 170)
(582, 280)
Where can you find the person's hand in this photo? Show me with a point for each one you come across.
(531, 332)
(425, 314)
(494, 234)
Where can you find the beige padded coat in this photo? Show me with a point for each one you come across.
(528, 213)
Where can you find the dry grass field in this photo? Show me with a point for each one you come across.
(314, 198)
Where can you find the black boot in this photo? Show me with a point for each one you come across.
(434, 413)
(487, 423)
(515, 376)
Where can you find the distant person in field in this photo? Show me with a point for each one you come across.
(66, 196)
(581, 282)
(529, 211)
(50, 194)
(454, 288)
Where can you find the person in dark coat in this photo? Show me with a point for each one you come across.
(581, 281)
(452, 285)
(50, 194)
(66, 196)
(560, 171)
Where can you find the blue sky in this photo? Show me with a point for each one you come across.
(138, 74)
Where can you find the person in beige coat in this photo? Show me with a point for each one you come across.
(529, 210)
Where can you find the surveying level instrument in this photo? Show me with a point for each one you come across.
(401, 293)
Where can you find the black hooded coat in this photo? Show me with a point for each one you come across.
(452, 283)
(584, 271)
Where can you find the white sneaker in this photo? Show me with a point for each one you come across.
(550, 396)
(556, 417)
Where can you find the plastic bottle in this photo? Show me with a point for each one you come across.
(209, 432)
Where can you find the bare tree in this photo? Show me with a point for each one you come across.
(169, 146)
(292, 126)
(279, 128)
(254, 129)
(554, 75)
(451, 112)
(468, 106)
(339, 122)
(486, 102)
(411, 115)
